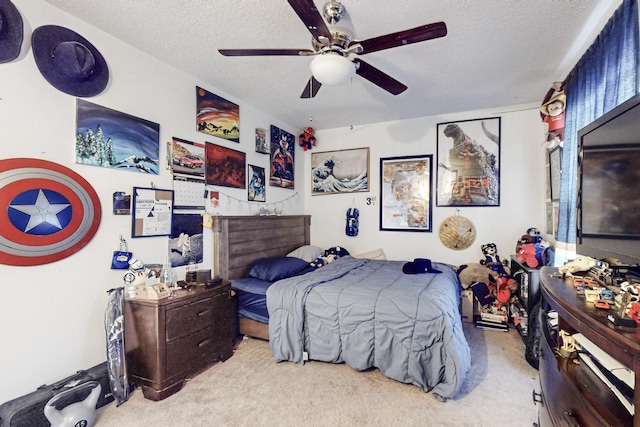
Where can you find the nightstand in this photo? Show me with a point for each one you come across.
(171, 340)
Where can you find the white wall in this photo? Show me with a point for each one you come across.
(52, 315)
(522, 162)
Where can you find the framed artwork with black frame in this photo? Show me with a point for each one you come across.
(152, 213)
(468, 158)
(405, 193)
(555, 172)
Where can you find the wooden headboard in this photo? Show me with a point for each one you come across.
(240, 240)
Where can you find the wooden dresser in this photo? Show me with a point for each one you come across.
(171, 340)
(572, 394)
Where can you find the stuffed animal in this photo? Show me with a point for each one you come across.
(503, 288)
(321, 261)
(492, 259)
(338, 251)
(532, 235)
(471, 273)
(317, 263)
(531, 247)
(552, 114)
(307, 140)
(527, 255)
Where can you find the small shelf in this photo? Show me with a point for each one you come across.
(528, 292)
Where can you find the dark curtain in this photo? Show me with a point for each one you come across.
(605, 76)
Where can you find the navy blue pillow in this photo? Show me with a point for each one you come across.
(273, 269)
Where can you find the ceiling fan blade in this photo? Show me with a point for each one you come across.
(311, 17)
(312, 88)
(265, 52)
(379, 78)
(401, 38)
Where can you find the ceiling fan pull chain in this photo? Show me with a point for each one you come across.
(351, 93)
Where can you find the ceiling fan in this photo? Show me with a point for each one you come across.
(332, 44)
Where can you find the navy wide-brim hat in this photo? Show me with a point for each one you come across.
(68, 61)
(11, 31)
(419, 265)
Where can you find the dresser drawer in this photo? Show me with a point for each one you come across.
(560, 381)
(191, 353)
(182, 321)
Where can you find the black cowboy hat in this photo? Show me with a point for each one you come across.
(419, 265)
(11, 31)
(68, 61)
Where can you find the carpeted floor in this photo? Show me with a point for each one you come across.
(250, 389)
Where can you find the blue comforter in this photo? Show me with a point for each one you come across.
(368, 313)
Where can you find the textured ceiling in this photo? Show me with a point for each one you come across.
(497, 53)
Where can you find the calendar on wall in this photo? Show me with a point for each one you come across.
(189, 193)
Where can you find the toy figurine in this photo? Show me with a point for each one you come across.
(552, 113)
(307, 140)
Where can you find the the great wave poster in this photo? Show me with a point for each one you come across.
(344, 171)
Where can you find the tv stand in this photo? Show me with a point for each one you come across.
(572, 394)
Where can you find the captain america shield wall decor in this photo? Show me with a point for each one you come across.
(47, 212)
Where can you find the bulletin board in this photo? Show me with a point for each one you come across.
(152, 212)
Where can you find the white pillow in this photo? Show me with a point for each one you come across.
(374, 254)
(307, 252)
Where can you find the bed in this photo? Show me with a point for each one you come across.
(363, 312)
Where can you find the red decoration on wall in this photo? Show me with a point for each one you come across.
(47, 212)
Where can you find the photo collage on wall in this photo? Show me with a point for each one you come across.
(113, 139)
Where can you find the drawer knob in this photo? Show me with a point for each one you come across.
(203, 312)
(203, 343)
(536, 397)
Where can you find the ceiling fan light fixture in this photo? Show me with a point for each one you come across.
(332, 69)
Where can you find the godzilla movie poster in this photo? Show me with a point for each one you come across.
(111, 139)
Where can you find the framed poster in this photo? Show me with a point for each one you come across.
(216, 116)
(187, 157)
(549, 219)
(152, 212)
(468, 161)
(261, 141)
(257, 191)
(405, 193)
(185, 243)
(111, 139)
(282, 158)
(224, 166)
(342, 171)
(555, 170)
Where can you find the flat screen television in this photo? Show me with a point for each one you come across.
(608, 210)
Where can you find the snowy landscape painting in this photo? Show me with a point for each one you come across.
(343, 171)
(111, 139)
